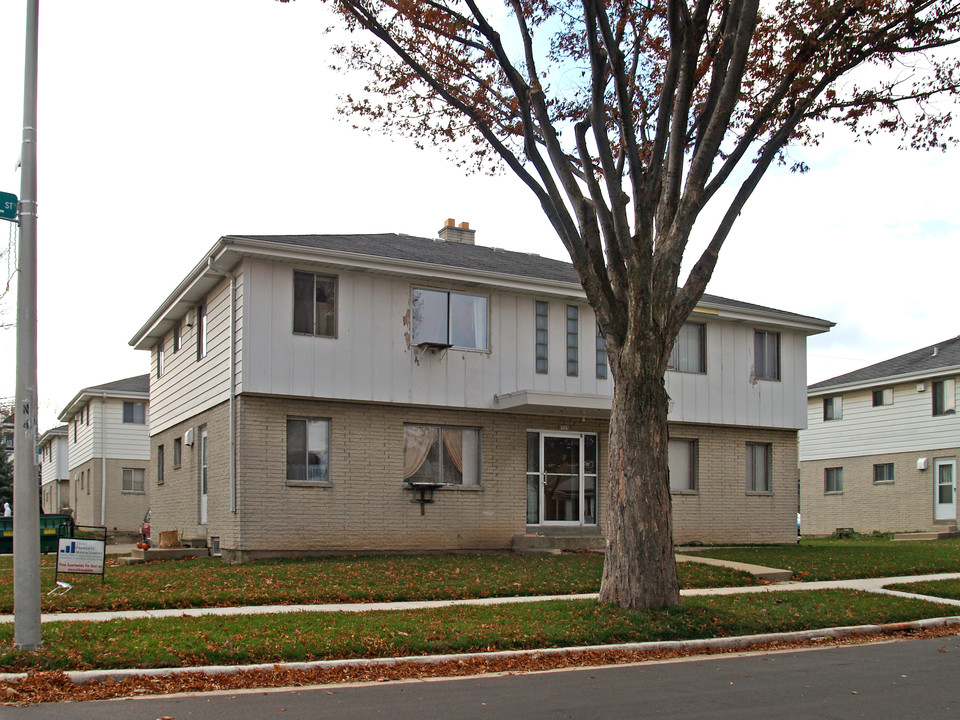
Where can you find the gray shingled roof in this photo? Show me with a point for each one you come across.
(136, 384)
(471, 257)
(934, 357)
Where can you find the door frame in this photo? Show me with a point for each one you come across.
(940, 511)
(581, 477)
(204, 477)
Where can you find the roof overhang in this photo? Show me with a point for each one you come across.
(60, 431)
(538, 402)
(88, 394)
(230, 250)
(919, 376)
(764, 317)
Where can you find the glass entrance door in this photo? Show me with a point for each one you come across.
(945, 499)
(561, 479)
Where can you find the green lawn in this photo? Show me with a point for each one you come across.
(209, 582)
(934, 588)
(846, 559)
(186, 641)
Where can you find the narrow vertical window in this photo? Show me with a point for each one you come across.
(573, 340)
(160, 465)
(160, 359)
(201, 331)
(541, 336)
(176, 337)
(177, 451)
(601, 356)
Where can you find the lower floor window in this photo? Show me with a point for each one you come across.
(883, 473)
(758, 467)
(308, 450)
(682, 459)
(440, 454)
(132, 479)
(833, 480)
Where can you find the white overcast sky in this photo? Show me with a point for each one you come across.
(163, 126)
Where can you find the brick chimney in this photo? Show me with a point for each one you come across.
(451, 232)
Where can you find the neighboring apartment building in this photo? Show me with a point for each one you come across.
(109, 452)
(55, 471)
(308, 392)
(880, 451)
(6, 434)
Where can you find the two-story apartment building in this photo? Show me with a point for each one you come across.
(55, 470)
(108, 446)
(880, 450)
(313, 393)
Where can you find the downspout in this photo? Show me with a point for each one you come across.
(233, 382)
(103, 459)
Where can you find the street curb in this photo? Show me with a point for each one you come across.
(79, 677)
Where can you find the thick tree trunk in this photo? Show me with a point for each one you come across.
(640, 569)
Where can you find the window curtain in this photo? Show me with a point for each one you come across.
(417, 442)
(453, 442)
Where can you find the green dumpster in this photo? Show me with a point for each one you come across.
(50, 532)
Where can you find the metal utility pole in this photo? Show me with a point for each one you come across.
(26, 498)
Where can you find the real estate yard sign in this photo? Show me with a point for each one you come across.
(84, 556)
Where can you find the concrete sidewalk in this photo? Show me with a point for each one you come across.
(865, 584)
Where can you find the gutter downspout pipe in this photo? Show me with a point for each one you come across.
(103, 459)
(233, 380)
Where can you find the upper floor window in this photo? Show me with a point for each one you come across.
(758, 467)
(177, 451)
(88, 414)
(76, 422)
(883, 397)
(314, 304)
(434, 454)
(573, 340)
(449, 318)
(601, 356)
(160, 359)
(176, 336)
(689, 349)
(833, 408)
(682, 461)
(766, 355)
(542, 320)
(201, 331)
(944, 397)
(135, 412)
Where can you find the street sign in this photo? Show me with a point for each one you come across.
(8, 207)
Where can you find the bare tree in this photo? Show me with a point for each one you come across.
(625, 118)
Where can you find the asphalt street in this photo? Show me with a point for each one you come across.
(907, 679)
